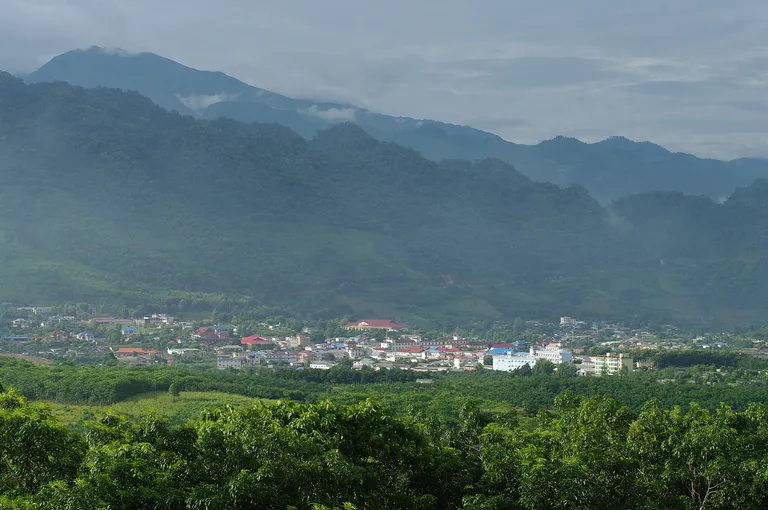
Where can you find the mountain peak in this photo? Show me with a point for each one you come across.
(624, 143)
(561, 141)
(110, 50)
(7, 77)
(611, 168)
(168, 83)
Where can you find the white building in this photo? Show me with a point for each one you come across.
(554, 353)
(510, 361)
(321, 365)
(225, 361)
(184, 351)
(586, 368)
(397, 344)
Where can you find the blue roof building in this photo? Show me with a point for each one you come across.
(500, 351)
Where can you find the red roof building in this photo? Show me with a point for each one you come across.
(364, 324)
(411, 352)
(210, 334)
(255, 340)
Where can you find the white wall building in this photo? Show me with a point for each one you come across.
(321, 365)
(396, 344)
(184, 351)
(510, 361)
(229, 362)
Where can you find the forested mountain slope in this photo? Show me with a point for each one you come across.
(106, 183)
(609, 169)
(714, 252)
(106, 179)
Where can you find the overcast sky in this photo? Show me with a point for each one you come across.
(689, 74)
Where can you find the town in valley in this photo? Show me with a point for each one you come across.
(79, 334)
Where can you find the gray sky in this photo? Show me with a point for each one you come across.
(689, 74)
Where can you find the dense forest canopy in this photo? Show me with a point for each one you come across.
(104, 196)
(585, 453)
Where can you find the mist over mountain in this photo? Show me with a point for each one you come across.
(609, 169)
(110, 182)
(103, 192)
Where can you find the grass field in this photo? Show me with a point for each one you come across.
(185, 407)
(32, 359)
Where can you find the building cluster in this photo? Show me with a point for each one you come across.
(360, 350)
(376, 343)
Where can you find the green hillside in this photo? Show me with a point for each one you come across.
(177, 409)
(715, 253)
(106, 197)
(107, 180)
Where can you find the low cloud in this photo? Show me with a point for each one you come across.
(199, 102)
(113, 50)
(678, 88)
(586, 69)
(331, 114)
(747, 106)
(536, 71)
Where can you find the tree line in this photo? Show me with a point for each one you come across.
(585, 453)
(397, 388)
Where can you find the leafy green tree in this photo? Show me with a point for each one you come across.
(543, 367)
(524, 371)
(567, 369)
(174, 390)
(35, 449)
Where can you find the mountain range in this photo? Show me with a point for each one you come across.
(609, 169)
(107, 197)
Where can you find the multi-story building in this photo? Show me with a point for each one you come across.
(229, 361)
(612, 364)
(514, 360)
(397, 344)
(298, 340)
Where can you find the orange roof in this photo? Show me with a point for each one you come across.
(412, 349)
(137, 350)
